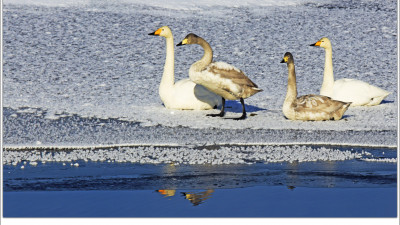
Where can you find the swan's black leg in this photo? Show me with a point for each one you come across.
(222, 113)
(244, 111)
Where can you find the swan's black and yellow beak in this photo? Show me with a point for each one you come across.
(284, 60)
(183, 42)
(156, 33)
(318, 43)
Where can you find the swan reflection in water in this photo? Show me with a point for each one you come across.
(167, 193)
(196, 198)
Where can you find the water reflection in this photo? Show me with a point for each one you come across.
(292, 178)
(167, 193)
(322, 174)
(198, 183)
(330, 167)
(196, 198)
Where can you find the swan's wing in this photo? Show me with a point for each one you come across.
(227, 71)
(316, 103)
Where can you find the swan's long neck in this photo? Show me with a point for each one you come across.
(328, 82)
(168, 78)
(291, 93)
(207, 57)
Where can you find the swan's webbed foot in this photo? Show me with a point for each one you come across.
(239, 118)
(244, 111)
(221, 114)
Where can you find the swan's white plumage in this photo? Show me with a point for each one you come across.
(224, 66)
(358, 92)
(184, 94)
(349, 90)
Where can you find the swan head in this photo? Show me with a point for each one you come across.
(189, 39)
(323, 43)
(163, 32)
(287, 58)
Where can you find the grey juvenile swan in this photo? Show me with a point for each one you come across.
(220, 78)
(308, 107)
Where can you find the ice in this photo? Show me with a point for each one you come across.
(390, 160)
(213, 155)
(85, 73)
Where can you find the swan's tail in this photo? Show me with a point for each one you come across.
(338, 114)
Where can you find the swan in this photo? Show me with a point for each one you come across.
(183, 94)
(348, 90)
(221, 78)
(308, 107)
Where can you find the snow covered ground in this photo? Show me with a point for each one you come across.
(85, 73)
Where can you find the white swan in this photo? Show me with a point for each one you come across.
(183, 94)
(221, 78)
(348, 90)
(308, 107)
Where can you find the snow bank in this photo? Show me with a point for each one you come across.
(213, 155)
(171, 4)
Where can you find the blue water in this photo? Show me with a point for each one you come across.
(259, 201)
(317, 189)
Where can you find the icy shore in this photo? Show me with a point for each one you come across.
(87, 74)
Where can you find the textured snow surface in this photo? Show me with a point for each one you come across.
(85, 73)
(171, 4)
